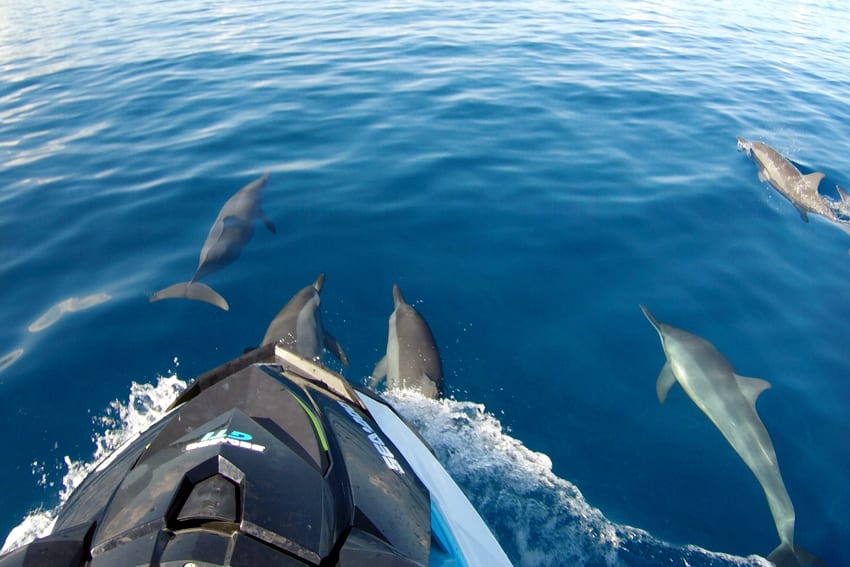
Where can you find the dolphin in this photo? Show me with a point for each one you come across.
(843, 205)
(230, 232)
(729, 401)
(412, 359)
(298, 325)
(801, 190)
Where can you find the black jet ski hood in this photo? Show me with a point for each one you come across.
(266, 460)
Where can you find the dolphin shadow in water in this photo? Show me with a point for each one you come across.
(298, 326)
(729, 401)
(229, 234)
(412, 359)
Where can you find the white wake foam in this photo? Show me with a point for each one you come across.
(540, 519)
(121, 422)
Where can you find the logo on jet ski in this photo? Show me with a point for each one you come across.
(377, 442)
(223, 437)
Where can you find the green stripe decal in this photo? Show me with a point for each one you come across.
(316, 423)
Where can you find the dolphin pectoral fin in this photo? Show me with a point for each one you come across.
(269, 224)
(763, 176)
(191, 290)
(803, 214)
(437, 385)
(380, 369)
(378, 374)
(335, 348)
(666, 379)
(751, 387)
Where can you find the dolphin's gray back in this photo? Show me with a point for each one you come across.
(299, 325)
(285, 325)
(419, 363)
(776, 162)
(233, 228)
(801, 190)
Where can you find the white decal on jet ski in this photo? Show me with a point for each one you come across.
(377, 442)
(222, 437)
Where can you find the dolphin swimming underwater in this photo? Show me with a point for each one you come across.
(298, 325)
(801, 190)
(412, 359)
(729, 400)
(229, 234)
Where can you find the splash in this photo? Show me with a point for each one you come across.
(121, 423)
(540, 519)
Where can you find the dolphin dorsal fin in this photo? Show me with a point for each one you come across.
(813, 180)
(752, 387)
(666, 379)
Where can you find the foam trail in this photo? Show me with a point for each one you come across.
(539, 519)
(121, 423)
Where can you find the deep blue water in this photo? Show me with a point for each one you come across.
(528, 172)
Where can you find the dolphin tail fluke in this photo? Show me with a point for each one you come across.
(192, 290)
(787, 555)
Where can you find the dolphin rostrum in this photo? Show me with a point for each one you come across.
(412, 359)
(729, 400)
(298, 326)
(230, 232)
(801, 190)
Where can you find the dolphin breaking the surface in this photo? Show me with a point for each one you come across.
(729, 401)
(298, 326)
(229, 234)
(801, 190)
(412, 359)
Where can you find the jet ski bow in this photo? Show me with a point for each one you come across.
(269, 459)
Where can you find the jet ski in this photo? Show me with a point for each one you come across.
(270, 459)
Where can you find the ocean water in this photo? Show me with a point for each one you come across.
(528, 172)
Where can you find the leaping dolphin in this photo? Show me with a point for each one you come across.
(412, 359)
(229, 234)
(729, 400)
(298, 325)
(801, 190)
